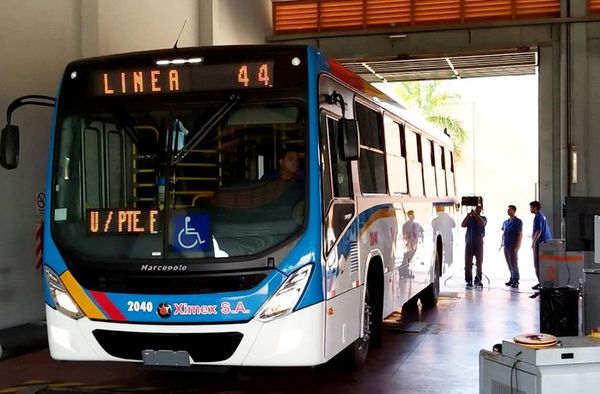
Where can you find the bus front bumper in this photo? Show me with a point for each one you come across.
(293, 340)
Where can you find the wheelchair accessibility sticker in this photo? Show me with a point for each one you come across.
(192, 233)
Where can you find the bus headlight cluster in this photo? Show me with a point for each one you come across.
(63, 301)
(285, 299)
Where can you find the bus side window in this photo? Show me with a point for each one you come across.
(325, 170)
(450, 172)
(440, 170)
(419, 148)
(443, 160)
(444, 170)
(415, 170)
(372, 159)
(340, 173)
(429, 167)
(402, 140)
(396, 156)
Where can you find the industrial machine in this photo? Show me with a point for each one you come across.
(570, 365)
(558, 267)
(561, 275)
(591, 285)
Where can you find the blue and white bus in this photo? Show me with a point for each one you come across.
(172, 237)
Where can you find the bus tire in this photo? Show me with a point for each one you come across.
(356, 353)
(375, 289)
(412, 303)
(429, 296)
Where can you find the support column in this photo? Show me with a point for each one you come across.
(551, 162)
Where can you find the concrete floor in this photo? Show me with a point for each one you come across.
(443, 358)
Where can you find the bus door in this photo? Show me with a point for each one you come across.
(340, 232)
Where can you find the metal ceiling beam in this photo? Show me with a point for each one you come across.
(449, 67)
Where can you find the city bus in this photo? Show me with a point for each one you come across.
(173, 236)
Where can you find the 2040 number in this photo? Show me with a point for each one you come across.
(137, 306)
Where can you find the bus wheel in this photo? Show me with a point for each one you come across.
(429, 296)
(412, 303)
(356, 353)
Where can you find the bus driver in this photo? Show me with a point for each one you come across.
(289, 168)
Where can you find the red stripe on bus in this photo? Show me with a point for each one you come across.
(108, 306)
(561, 258)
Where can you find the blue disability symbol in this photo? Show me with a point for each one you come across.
(192, 233)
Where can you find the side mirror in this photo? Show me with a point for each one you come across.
(349, 138)
(9, 147)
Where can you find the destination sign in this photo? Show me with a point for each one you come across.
(182, 78)
(123, 221)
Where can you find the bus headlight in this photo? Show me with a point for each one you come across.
(63, 301)
(286, 298)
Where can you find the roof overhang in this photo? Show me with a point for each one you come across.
(522, 61)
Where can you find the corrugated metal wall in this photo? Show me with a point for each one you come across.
(327, 15)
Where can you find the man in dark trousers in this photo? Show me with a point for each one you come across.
(512, 233)
(475, 224)
(541, 233)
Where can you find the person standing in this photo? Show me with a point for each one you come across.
(541, 233)
(475, 224)
(412, 233)
(443, 224)
(512, 233)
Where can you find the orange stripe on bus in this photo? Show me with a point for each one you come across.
(380, 214)
(84, 302)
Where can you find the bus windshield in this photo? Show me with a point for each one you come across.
(179, 183)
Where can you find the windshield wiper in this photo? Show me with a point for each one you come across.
(205, 129)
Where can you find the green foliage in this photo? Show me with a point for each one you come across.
(431, 99)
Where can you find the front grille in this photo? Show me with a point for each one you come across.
(201, 347)
(163, 284)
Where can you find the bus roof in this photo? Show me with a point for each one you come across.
(187, 51)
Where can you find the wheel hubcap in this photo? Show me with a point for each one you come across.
(364, 340)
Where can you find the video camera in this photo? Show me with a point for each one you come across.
(471, 201)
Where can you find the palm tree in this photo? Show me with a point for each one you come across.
(431, 99)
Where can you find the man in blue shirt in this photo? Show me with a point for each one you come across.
(475, 224)
(541, 233)
(511, 241)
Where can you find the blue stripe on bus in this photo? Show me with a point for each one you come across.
(51, 256)
(309, 247)
(47, 297)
